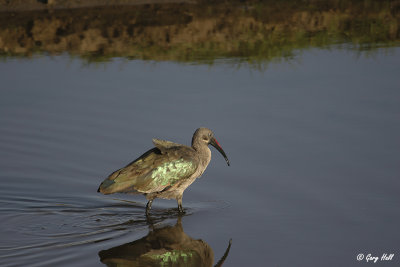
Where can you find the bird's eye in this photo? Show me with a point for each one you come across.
(205, 138)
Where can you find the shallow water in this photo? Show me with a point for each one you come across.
(313, 145)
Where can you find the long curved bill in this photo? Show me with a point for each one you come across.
(215, 144)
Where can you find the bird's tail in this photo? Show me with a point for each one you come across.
(118, 182)
(105, 187)
(109, 186)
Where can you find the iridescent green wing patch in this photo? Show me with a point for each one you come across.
(168, 173)
(174, 164)
(174, 258)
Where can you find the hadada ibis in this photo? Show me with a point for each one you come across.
(164, 171)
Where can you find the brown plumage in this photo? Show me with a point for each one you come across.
(164, 171)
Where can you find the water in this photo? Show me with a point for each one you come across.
(313, 141)
(313, 146)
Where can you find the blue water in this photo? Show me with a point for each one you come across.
(313, 144)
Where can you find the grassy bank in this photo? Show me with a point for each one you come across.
(202, 31)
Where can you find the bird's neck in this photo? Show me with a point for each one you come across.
(199, 145)
(203, 151)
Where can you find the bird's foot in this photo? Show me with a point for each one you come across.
(148, 207)
(180, 209)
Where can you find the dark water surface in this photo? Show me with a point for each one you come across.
(313, 143)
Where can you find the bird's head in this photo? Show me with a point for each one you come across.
(206, 136)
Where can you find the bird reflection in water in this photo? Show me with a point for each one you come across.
(166, 246)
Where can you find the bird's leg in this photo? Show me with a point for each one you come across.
(148, 206)
(180, 208)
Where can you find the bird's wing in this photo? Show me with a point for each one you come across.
(164, 145)
(153, 171)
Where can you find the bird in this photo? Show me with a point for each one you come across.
(168, 245)
(166, 170)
